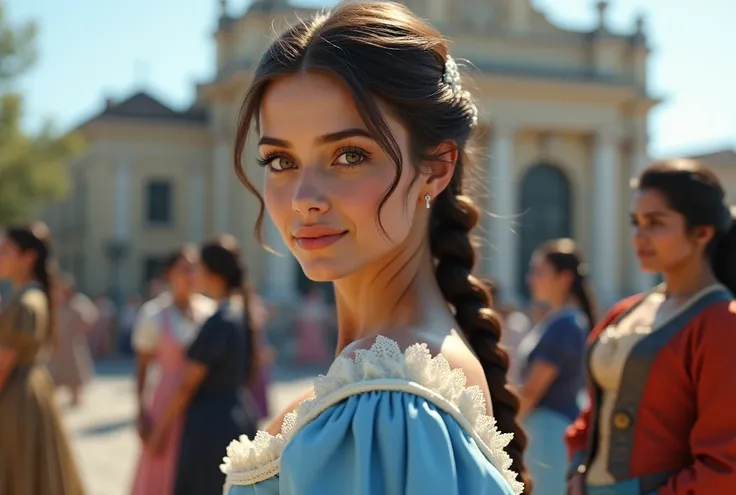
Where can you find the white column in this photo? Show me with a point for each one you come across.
(640, 281)
(503, 248)
(195, 203)
(520, 15)
(123, 227)
(222, 175)
(436, 10)
(281, 269)
(606, 252)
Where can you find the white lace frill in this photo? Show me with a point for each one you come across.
(382, 367)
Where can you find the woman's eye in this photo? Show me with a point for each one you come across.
(279, 163)
(351, 158)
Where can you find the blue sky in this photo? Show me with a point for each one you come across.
(93, 49)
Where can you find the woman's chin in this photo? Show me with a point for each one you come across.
(324, 270)
(649, 266)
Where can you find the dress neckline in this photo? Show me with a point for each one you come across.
(383, 367)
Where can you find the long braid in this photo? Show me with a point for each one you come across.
(452, 219)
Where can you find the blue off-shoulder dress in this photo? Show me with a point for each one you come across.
(386, 422)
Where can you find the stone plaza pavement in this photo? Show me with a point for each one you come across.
(102, 427)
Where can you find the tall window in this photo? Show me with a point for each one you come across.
(546, 212)
(159, 202)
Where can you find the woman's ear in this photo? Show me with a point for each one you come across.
(439, 169)
(703, 234)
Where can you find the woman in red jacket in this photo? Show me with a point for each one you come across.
(661, 364)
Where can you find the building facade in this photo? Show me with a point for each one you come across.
(563, 129)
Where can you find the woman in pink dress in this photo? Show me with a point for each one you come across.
(71, 365)
(166, 326)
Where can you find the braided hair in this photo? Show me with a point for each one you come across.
(453, 218)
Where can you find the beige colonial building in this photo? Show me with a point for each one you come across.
(564, 128)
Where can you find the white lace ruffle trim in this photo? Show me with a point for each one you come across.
(382, 367)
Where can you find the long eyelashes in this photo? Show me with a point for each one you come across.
(348, 157)
(353, 156)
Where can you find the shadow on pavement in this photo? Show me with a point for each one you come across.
(104, 429)
(115, 367)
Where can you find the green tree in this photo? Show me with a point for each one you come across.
(32, 166)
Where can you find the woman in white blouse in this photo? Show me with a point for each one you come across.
(166, 326)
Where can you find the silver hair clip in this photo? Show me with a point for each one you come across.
(452, 78)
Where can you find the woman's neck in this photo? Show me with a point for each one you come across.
(219, 292)
(399, 291)
(688, 279)
(561, 303)
(182, 300)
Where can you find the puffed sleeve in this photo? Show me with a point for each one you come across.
(392, 443)
(211, 344)
(147, 328)
(713, 436)
(18, 326)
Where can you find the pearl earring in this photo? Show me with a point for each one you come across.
(428, 199)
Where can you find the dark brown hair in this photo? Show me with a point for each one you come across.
(221, 257)
(384, 53)
(564, 256)
(694, 191)
(36, 238)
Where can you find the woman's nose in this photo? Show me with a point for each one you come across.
(310, 196)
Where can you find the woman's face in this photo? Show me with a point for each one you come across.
(660, 238)
(181, 276)
(13, 262)
(545, 283)
(326, 177)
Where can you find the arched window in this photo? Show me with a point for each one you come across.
(545, 212)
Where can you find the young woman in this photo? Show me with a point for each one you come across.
(363, 126)
(35, 456)
(166, 326)
(661, 363)
(71, 366)
(551, 359)
(220, 364)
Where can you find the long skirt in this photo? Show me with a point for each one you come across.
(35, 455)
(546, 454)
